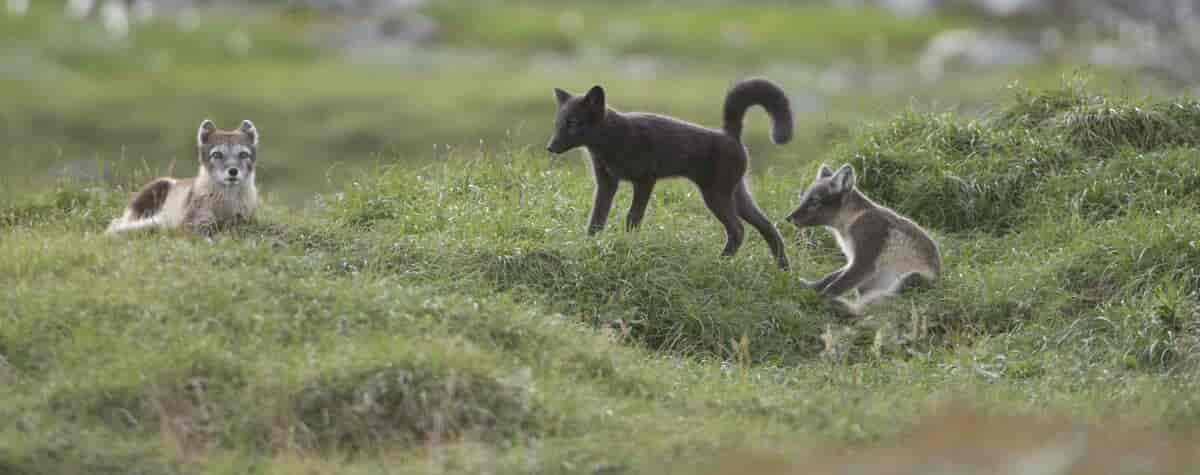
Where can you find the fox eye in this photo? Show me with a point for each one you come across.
(217, 155)
(243, 155)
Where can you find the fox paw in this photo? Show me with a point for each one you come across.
(844, 310)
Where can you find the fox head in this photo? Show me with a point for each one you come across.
(825, 198)
(228, 156)
(577, 119)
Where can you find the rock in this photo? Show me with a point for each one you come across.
(346, 7)
(363, 7)
(412, 27)
(80, 9)
(364, 33)
(1012, 7)
(18, 7)
(974, 49)
(114, 14)
(909, 7)
(143, 11)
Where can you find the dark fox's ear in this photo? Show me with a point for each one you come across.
(824, 171)
(594, 104)
(561, 96)
(594, 97)
(250, 130)
(844, 178)
(206, 130)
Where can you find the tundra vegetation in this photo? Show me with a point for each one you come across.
(445, 311)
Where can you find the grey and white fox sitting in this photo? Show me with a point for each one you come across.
(221, 195)
(886, 252)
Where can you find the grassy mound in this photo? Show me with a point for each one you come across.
(1101, 157)
(1037, 225)
(458, 317)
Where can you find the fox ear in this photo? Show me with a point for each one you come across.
(561, 96)
(824, 171)
(594, 104)
(844, 179)
(594, 97)
(206, 129)
(250, 130)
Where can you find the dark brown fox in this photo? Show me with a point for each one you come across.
(643, 148)
(886, 252)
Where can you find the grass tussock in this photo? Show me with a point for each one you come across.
(997, 173)
(45, 208)
(412, 405)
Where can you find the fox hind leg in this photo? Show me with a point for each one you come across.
(749, 211)
(723, 207)
(886, 284)
(912, 281)
(123, 225)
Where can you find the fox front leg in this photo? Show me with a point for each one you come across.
(602, 201)
(824, 282)
(202, 223)
(847, 279)
(208, 232)
(641, 198)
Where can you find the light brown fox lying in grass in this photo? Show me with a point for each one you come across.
(886, 252)
(221, 195)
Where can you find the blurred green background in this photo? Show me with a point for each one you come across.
(112, 91)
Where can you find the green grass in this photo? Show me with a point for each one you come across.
(726, 32)
(456, 317)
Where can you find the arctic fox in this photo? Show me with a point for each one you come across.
(221, 195)
(885, 250)
(643, 148)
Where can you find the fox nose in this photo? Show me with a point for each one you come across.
(233, 172)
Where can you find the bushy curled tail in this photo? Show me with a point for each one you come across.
(758, 92)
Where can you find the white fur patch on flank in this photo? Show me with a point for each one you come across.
(124, 224)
